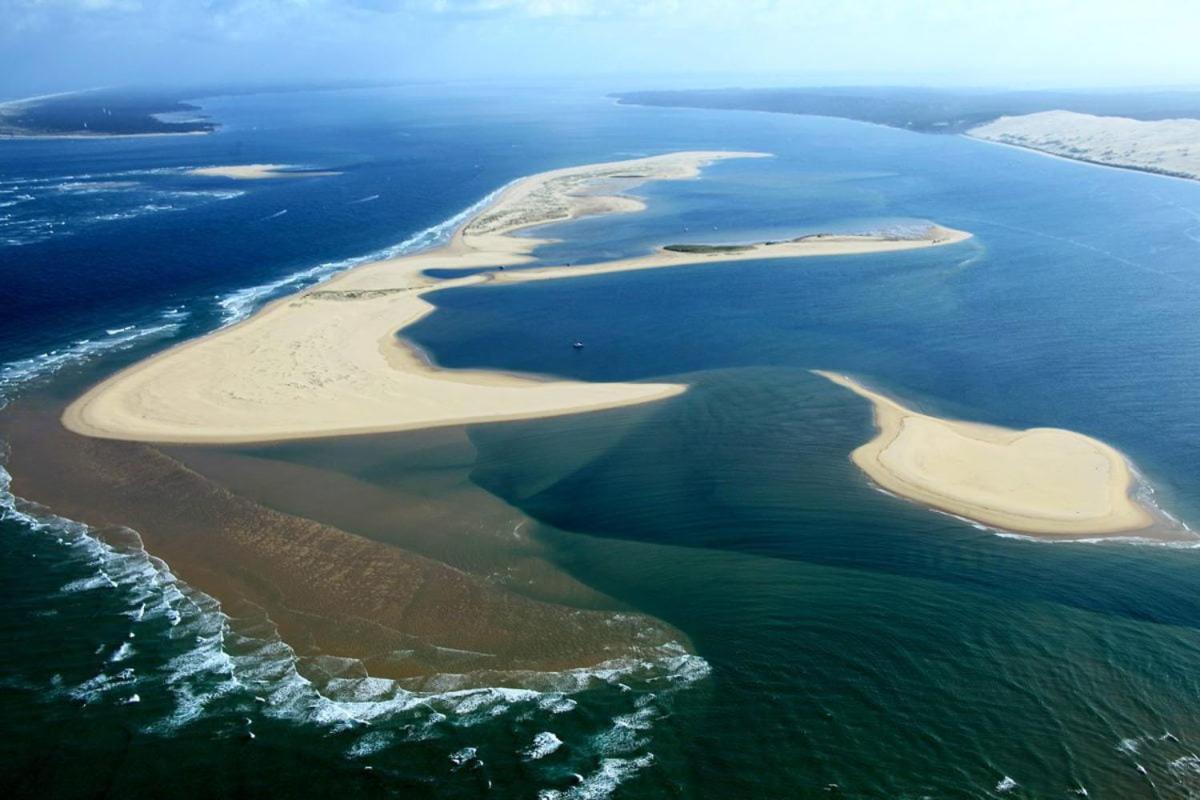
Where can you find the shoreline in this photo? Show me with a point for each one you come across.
(328, 361)
(1157, 147)
(1074, 160)
(1046, 482)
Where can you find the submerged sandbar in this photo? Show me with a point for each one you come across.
(258, 172)
(1046, 481)
(327, 361)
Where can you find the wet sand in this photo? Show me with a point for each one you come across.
(1043, 481)
(405, 615)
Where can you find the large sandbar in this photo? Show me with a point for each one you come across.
(1045, 481)
(328, 361)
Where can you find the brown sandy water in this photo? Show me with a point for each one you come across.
(413, 577)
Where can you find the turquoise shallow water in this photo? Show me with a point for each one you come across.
(852, 644)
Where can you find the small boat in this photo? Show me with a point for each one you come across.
(578, 345)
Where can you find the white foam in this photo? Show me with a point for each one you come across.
(123, 652)
(1129, 746)
(241, 303)
(16, 374)
(603, 782)
(460, 757)
(135, 212)
(543, 744)
(1006, 784)
(626, 733)
(371, 743)
(1144, 494)
(1186, 766)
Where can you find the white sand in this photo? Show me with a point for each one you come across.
(1170, 147)
(327, 361)
(1045, 481)
(257, 172)
(820, 245)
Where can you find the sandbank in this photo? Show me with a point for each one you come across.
(258, 172)
(1046, 481)
(328, 361)
(825, 244)
(450, 581)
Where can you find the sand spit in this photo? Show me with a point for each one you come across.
(824, 244)
(258, 172)
(328, 362)
(1167, 147)
(1044, 481)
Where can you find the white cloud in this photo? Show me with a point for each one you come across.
(1046, 42)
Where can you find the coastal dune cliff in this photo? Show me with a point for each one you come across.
(1167, 147)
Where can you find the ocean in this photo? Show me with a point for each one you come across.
(834, 641)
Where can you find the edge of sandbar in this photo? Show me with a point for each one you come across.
(1125, 515)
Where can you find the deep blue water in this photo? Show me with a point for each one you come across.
(858, 646)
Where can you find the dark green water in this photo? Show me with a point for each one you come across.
(852, 644)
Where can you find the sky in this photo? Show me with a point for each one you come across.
(59, 45)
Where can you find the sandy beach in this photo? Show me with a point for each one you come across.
(328, 361)
(1167, 147)
(258, 172)
(1045, 481)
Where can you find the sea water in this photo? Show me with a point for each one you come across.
(847, 643)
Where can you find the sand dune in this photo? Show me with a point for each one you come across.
(1169, 147)
(327, 361)
(1046, 481)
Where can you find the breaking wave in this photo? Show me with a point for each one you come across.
(241, 303)
(15, 375)
(184, 658)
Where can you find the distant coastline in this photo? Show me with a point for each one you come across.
(1153, 132)
(1170, 148)
(924, 110)
(101, 113)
